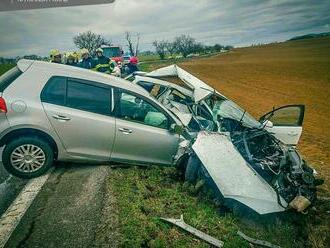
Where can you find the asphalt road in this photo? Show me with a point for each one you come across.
(75, 208)
(9, 187)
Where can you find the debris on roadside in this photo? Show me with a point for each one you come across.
(257, 241)
(180, 223)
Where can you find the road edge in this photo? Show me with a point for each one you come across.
(13, 215)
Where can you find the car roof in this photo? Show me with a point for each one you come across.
(80, 73)
(183, 90)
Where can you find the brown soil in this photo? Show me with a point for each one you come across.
(258, 78)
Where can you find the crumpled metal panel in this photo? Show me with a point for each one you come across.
(201, 89)
(232, 175)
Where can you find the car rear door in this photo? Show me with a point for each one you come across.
(143, 134)
(287, 123)
(81, 113)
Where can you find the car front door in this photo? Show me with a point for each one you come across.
(81, 114)
(285, 123)
(142, 133)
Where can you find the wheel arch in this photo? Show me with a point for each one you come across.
(29, 132)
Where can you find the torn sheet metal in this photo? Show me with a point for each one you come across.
(201, 89)
(257, 241)
(209, 239)
(234, 178)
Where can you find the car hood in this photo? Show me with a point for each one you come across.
(233, 176)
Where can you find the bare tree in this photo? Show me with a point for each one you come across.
(133, 48)
(137, 44)
(185, 44)
(90, 40)
(170, 47)
(128, 38)
(160, 47)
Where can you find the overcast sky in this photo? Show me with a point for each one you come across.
(237, 23)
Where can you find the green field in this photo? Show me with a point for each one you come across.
(5, 67)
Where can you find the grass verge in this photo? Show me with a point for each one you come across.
(145, 194)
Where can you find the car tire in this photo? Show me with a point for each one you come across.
(192, 168)
(27, 157)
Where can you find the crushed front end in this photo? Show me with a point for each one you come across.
(280, 165)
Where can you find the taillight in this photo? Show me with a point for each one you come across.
(3, 106)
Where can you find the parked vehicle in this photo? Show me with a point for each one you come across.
(114, 53)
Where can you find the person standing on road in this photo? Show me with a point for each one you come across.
(86, 60)
(55, 56)
(71, 59)
(102, 63)
(132, 65)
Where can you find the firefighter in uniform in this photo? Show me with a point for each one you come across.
(71, 59)
(102, 63)
(55, 56)
(86, 60)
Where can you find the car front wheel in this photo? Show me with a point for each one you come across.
(27, 157)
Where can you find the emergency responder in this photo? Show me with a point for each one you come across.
(55, 56)
(132, 65)
(101, 62)
(71, 59)
(86, 60)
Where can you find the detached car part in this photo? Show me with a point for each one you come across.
(209, 239)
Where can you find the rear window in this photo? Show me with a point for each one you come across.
(54, 91)
(9, 77)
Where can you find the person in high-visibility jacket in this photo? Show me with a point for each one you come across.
(55, 56)
(103, 63)
(86, 61)
(71, 59)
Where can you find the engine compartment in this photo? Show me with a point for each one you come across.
(280, 165)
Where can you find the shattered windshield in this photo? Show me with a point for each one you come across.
(228, 109)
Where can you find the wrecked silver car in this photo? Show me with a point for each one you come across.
(245, 161)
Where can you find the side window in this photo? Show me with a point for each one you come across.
(286, 116)
(135, 109)
(54, 91)
(88, 97)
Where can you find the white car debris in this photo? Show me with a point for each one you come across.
(250, 162)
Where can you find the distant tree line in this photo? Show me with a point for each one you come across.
(14, 60)
(185, 45)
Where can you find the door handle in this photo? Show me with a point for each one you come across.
(125, 130)
(61, 118)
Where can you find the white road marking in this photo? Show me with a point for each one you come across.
(11, 218)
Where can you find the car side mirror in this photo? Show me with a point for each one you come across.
(268, 123)
(177, 129)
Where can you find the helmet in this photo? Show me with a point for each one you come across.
(133, 60)
(99, 50)
(70, 55)
(53, 53)
(84, 51)
(77, 54)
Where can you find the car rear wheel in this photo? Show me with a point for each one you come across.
(27, 157)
